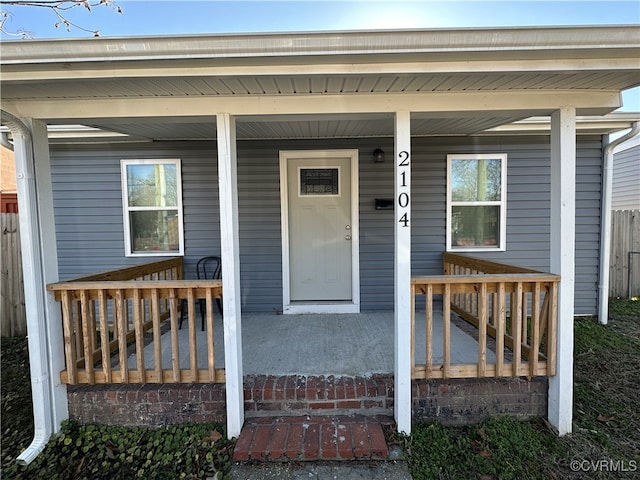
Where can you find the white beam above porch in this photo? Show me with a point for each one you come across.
(587, 102)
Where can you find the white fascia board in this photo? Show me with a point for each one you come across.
(531, 102)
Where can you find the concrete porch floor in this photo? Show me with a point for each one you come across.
(317, 344)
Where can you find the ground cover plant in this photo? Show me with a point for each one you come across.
(605, 443)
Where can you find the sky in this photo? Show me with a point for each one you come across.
(166, 17)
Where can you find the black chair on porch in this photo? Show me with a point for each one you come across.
(207, 268)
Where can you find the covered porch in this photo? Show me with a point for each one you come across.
(478, 320)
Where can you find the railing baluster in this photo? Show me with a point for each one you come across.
(122, 322)
(516, 322)
(157, 342)
(77, 327)
(501, 317)
(86, 333)
(69, 341)
(535, 330)
(544, 315)
(552, 329)
(495, 310)
(175, 341)
(104, 335)
(429, 330)
(138, 305)
(482, 330)
(193, 352)
(446, 324)
(525, 321)
(210, 349)
(474, 299)
(413, 331)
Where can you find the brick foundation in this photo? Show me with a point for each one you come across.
(467, 401)
(456, 401)
(151, 404)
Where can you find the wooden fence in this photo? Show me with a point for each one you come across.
(624, 265)
(12, 312)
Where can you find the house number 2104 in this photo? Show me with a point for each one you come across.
(403, 188)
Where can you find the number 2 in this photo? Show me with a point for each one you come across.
(404, 158)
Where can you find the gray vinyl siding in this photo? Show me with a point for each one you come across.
(626, 179)
(89, 224)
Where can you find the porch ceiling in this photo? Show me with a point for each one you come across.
(325, 126)
(323, 84)
(300, 126)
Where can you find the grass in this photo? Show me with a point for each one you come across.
(605, 441)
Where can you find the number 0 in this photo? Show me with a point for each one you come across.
(403, 199)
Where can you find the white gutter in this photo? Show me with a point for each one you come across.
(580, 41)
(605, 227)
(37, 332)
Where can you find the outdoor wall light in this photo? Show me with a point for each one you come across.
(378, 155)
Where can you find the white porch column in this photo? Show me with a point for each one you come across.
(230, 252)
(402, 272)
(563, 221)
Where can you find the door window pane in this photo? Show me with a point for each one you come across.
(319, 181)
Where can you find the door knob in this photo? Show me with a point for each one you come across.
(347, 237)
(348, 227)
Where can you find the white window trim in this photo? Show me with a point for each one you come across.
(502, 203)
(126, 209)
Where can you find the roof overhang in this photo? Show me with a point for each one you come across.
(469, 80)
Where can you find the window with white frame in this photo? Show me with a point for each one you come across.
(152, 206)
(476, 202)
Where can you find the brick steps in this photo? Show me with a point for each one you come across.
(308, 438)
(297, 395)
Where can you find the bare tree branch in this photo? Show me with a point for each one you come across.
(58, 7)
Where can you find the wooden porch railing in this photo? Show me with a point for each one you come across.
(514, 306)
(107, 316)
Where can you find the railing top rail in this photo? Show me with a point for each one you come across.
(486, 266)
(129, 273)
(129, 284)
(490, 278)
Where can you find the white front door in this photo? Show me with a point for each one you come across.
(321, 234)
